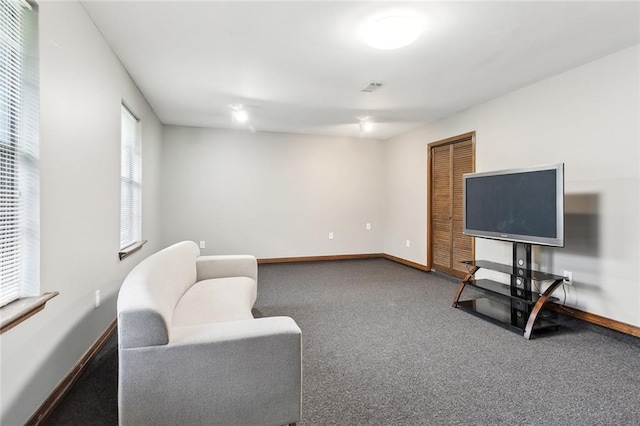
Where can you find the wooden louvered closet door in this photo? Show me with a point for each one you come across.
(441, 208)
(449, 161)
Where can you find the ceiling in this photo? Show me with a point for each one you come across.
(299, 66)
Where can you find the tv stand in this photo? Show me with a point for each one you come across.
(514, 306)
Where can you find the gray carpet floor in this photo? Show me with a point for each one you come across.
(382, 346)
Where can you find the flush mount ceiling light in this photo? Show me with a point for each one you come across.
(239, 114)
(391, 30)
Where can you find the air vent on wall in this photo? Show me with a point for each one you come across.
(373, 86)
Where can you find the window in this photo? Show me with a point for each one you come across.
(130, 184)
(19, 180)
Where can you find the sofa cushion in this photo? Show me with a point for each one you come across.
(216, 300)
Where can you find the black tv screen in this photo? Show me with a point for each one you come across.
(520, 205)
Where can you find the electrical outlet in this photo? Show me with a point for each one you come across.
(97, 298)
(331, 235)
(408, 243)
(202, 244)
(368, 226)
(568, 277)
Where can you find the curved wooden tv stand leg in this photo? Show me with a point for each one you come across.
(472, 271)
(538, 307)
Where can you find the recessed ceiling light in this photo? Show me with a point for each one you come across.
(239, 114)
(366, 125)
(391, 30)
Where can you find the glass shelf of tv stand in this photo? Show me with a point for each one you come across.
(513, 270)
(517, 309)
(502, 315)
(504, 291)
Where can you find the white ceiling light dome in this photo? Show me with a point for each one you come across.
(392, 29)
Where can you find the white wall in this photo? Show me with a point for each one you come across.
(587, 118)
(82, 87)
(272, 194)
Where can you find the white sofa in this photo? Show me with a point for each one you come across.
(190, 351)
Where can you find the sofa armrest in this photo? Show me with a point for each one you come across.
(239, 372)
(209, 267)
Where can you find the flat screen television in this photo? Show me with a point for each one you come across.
(519, 205)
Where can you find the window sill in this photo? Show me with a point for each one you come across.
(19, 310)
(130, 249)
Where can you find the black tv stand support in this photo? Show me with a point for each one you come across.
(515, 306)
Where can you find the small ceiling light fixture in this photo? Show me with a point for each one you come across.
(366, 125)
(391, 30)
(239, 114)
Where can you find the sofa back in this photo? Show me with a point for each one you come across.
(151, 291)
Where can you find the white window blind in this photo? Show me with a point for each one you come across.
(130, 181)
(19, 197)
